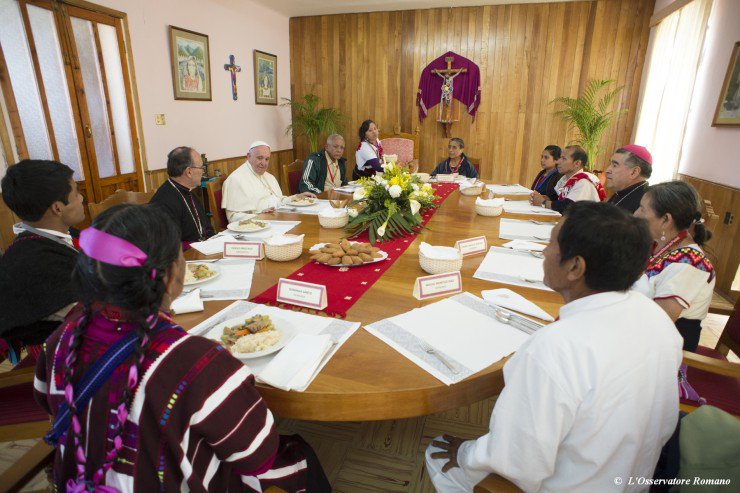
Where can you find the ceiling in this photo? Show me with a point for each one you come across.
(299, 8)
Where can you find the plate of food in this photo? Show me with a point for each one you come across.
(302, 201)
(253, 337)
(199, 272)
(346, 254)
(248, 226)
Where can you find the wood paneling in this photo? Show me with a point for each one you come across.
(368, 65)
(156, 177)
(723, 247)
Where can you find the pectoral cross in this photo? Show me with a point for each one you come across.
(231, 67)
(445, 112)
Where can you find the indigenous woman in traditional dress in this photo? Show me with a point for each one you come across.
(545, 181)
(369, 155)
(679, 276)
(140, 405)
(456, 162)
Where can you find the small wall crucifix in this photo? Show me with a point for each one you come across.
(445, 113)
(231, 67)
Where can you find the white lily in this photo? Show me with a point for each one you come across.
(415, 206)
(381, 229)
(395, 191)
(415, 187)
(353, 212)
(378, 178)
(359, 194)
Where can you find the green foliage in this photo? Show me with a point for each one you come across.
(312, 121)
(590, 115)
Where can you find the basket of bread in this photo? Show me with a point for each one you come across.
(474, 188)
(283, 248)
(489, 207)
(333, 218)
(346, 254)
(439, 259)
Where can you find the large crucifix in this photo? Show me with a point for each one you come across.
(445, 112)
(231, 67)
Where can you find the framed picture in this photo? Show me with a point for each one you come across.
(191, 65)
(265, 78)
(728, 106)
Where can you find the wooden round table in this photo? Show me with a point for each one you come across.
(366, 379)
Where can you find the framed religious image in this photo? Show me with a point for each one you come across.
(191, 65)
(728, 106)
(265, 78)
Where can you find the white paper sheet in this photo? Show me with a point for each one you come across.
(234, 283)
(338, 330)
(463, 329)
(518, 268)
(524, 207)
(524, 245)
(515, 229)
(509, 189)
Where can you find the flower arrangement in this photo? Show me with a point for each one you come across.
(389, 204)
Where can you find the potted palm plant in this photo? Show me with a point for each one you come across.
(311, 121)
(591, 115)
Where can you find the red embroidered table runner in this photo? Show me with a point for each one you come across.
(345, 285)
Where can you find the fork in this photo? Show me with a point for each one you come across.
(507, 319)
(526, 279)
(535, 254)
(541, 223)
(429, 349)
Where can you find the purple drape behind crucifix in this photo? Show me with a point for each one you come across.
(466, 88)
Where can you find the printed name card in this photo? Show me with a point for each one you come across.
(244, 249)
(437, 285)
(472, 246)
(445, 178)
(302, 293)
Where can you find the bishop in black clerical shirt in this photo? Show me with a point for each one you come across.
(175, 197)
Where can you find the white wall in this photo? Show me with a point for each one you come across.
(222, 127)
(713, 153)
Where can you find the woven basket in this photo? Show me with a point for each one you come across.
(477, 189)
(424, 177)
(485, 210)
(333, 222)
(439, 266)
(284, 253)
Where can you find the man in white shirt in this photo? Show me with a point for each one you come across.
(251, 188)
(575, 184)
(590, 399)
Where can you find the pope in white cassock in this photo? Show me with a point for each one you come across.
(251, 189)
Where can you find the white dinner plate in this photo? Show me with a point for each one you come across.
(214, 268)
(235, 227)
(319, 246)
(298, 204)
(286, 329)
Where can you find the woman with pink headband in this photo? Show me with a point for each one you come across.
(140, 405)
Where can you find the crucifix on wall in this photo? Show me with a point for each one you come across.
(447, 78)
(233, 68)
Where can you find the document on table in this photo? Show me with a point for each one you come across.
(519, 268)
(515, 229)
(338, 331)
(524, 207)
(514, 189)
(234, 282)
(462, 330)
(215, 244)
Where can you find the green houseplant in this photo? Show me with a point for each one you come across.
(311, 121)
(591, 115)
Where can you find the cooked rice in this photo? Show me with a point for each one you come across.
(260, 341)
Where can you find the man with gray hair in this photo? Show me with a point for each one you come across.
(324, 170)
(185, 170)
(627, 175)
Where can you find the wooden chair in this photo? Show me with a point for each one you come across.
(119, 197)
(476, 163)
(214, 190)
(493, 483)
(404, 145)
(291, 176)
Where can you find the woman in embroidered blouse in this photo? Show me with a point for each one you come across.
(180, 412)
(456, 162)
(679, 276)
(546, 179)
(369, 155)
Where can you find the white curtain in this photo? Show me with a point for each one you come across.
(672, 62)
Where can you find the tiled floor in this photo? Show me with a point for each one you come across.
(382, 456)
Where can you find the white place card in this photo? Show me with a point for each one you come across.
(472, 246)
(302, 293)
(426, 287)
(445, 178)
(244, 249)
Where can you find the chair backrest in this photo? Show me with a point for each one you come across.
(291, 176)
(397, 134)
(120, 197)
(214, 189)
(729, 340)
(475, 161)
(710, 218)
(401, 147)
(7, 219)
